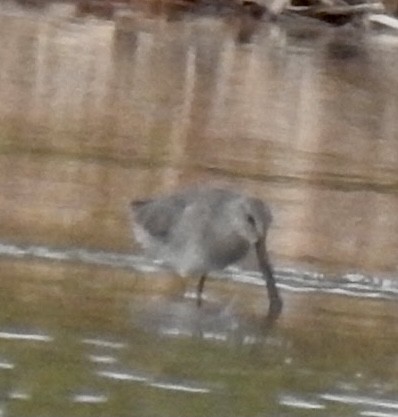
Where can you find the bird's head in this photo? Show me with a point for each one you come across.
(252, 218)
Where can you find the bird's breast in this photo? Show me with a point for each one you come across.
(227, 251)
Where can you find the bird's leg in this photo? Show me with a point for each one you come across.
(199, 291)
(275, 306)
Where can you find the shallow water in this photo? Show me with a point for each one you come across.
(94, 113)
(81, 340)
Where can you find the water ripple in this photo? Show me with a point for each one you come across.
(122, 376)
(179, 387)
(104, 343)
(89, 398)
(25, 336)
(377, 414)
(6, 365)
(104, 359)
(290, 279)
(292, 401)
(19, 395)
(360, 400)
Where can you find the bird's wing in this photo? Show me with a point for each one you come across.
(158, 217)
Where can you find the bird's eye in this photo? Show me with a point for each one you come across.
(251, 220)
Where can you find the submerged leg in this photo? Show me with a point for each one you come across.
(199, 291)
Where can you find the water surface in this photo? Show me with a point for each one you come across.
(94, 113)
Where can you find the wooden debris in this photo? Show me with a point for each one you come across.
(338, 14)
(383, 20)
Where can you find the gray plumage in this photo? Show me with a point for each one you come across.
(203, 229)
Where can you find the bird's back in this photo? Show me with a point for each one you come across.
(191, 230)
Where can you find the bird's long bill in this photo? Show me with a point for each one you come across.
(275, 306)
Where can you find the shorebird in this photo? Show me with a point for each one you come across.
(204, 229)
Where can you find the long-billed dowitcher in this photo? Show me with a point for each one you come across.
(203, 229)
